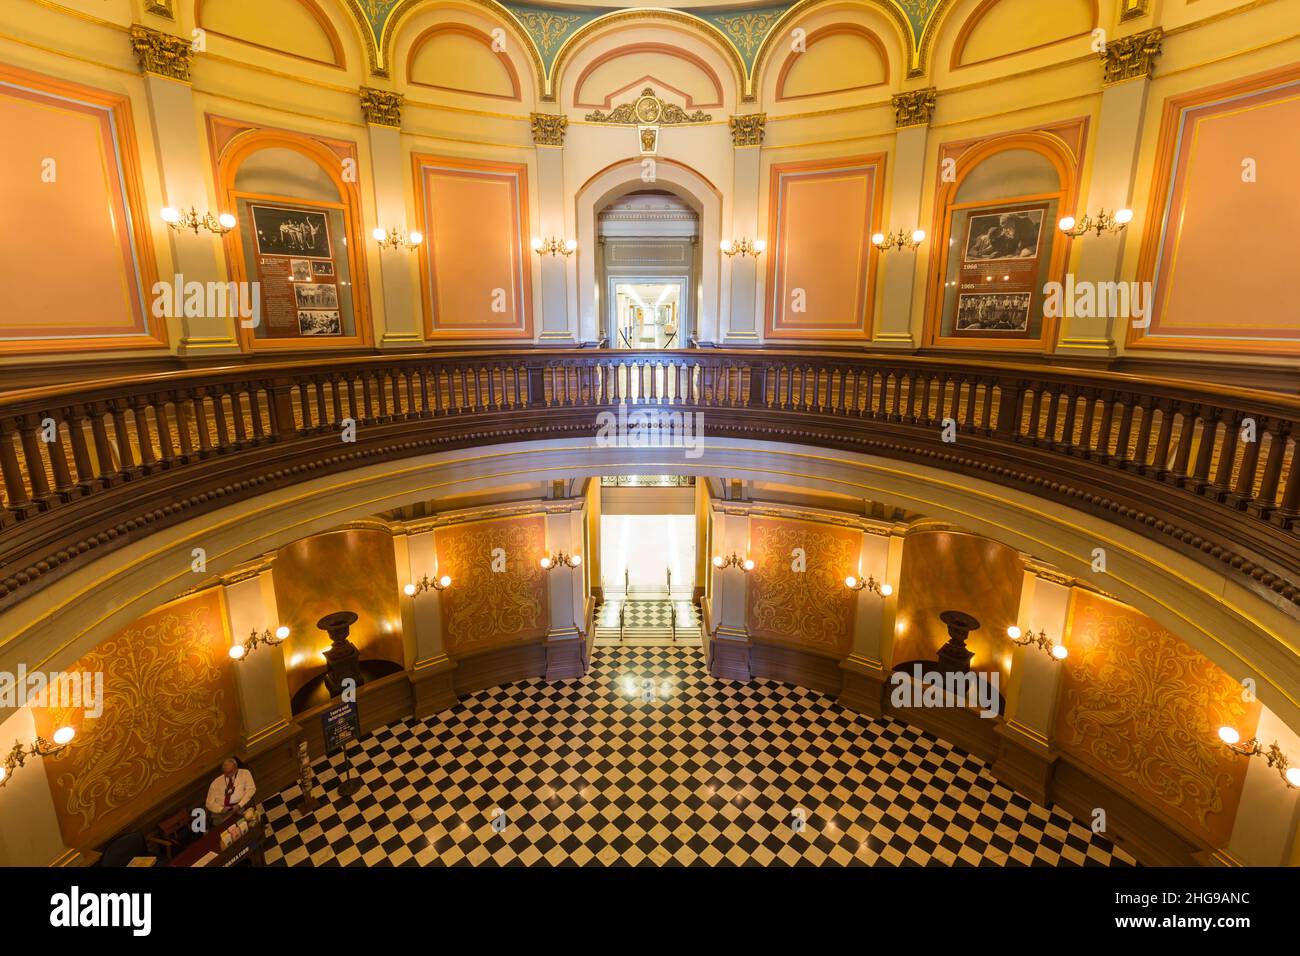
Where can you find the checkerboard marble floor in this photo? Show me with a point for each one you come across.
(648, 614)
(649, 761)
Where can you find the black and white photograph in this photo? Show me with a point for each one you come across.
(301, 270)
(319, 323)
(318, 295)
(993, 312)
(322, 268)
(283, 231)
(1004, 235)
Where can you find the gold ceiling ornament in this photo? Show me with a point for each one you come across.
(160, 8)
(747, 130)
(382, 107)
(747, 30)
(1131, 57)
(546, 28)
(548, 128)
(161, 54)
(914, 108)
(648, 109)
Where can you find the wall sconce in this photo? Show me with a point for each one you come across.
(554, 246)
(392, 239)
(871, 584)
(424, 584)
(1273, 754)
(735, 561)
(39, 748)
(561, 560)
(1104, 222)
(178, 220)
(240, 651)
(1058, 651)
(898, 240)
(743, 247)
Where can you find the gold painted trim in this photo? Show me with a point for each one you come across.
(251, 740)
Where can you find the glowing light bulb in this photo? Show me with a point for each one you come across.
(1066, 223)
(850, 582)
(1293, 776)
(281, 632)
(1124, 216)
(1060, 652)
(445, 580)
(918, 235)
(760, 245)
(575, 561)
(571, 244)
(1013, 632)
(725, 245)
(878, 239)
(546, 563)
(717, 560)
(537, 244)
(1229, 736)
(63, 736)
(417, 238)
(227, 220)
(237, 652)
(170, 215)
(378, 233)
(886, 589)
(749, 564)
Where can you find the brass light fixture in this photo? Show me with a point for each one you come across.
(869, 583)
(255, 640)
(734, 561)
(425, 584)
(220, 224)
(560, 560)
(1272, 753)
(1104, 222)
(38, 748)
(392, 239)
(743, 247)
(898, 240)
(554, 246)
(1040, 639)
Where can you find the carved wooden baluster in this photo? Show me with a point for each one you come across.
(80, 453)
(139, 408)
(201, 421)
(1243, 494)
(236, 394)
(336, 398)
(1125, 430)
(1052, 400)
(1102, 451)
(1200, 477)
(126, 457)
(1266, 500)
(219, 415)
(1159, 465)
(1288, 508)
(367, 397)
(1035, 414)
(17, 500)
(108, 474)
(322, 406)
(1186, 433)
(29, 431)
(1070, 395)
(256, 400)
(64, 487)
(1222, 485)
(1143, 444)
(986, 409)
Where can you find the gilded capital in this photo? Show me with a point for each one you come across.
(160, 8)
(747, 130)
(382, 107)
(548, 128)
(1131, 57)
(161, 54)
(914, 108)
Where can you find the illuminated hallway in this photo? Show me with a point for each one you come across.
(649, 761)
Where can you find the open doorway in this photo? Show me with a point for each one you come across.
(647, 311)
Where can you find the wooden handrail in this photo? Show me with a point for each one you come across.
(1212, 470)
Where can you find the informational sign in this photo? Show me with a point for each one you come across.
(998, 275)
(295, 265)
(341, 725)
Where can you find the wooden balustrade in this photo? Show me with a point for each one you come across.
(1213, 468)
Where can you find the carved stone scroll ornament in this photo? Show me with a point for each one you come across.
(647, 110)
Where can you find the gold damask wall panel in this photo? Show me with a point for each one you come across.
(945, 570)
(350, 570)
(812, 609)
(169, 715)
(486, 608)
(1144, 709)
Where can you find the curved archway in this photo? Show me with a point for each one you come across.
(314, 14)
(822, 34)
(624, 177)
(441, 30)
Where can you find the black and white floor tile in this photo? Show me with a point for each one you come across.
(649, 761)
(655, 614)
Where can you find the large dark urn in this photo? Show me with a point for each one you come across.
(342, 660)
(954, 656)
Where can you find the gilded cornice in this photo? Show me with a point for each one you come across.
(1131, 57)
(381, 107)
(548, 128)
(747, 130)
(914, 108)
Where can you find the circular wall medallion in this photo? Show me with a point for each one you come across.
(648, 108)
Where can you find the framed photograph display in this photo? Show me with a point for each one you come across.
(997, 288)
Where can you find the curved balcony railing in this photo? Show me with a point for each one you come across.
(1209, 470)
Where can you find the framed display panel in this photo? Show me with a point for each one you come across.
(987, 289)
(78, 258)
(1212, 294)
(298, 247)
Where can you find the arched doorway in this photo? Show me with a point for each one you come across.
(627, 195)
(647, 270)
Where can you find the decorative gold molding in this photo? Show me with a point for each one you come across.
(1133, 9)
(648, 109)
(747, 130)
(548, 128)
(914, 108)
(1131, 57)
(161, 54)
(382, 107)
(160, 8)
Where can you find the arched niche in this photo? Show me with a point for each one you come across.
(837, 58)
(457, 58)
(996, 240)
(1003, 28)
(299, 236)
(625, 177)
(297, 28)
(626, 69)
